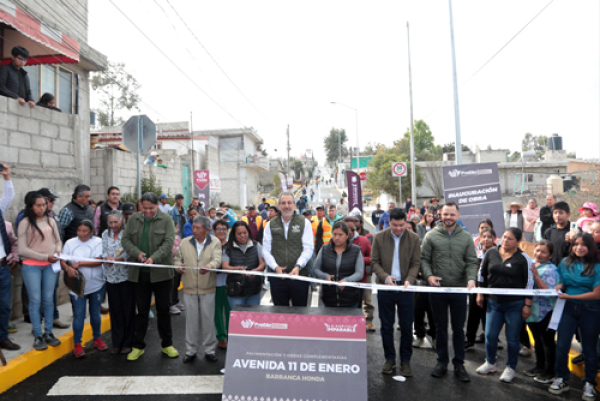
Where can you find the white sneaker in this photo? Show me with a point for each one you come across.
(487, 368)
(173, 310)
(558, 386)
(525, 351)
(508, 375)
(588, 392)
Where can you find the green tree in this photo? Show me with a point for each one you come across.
(297, 167)
(425, 148)
(381, 178)
(117, 90)
(277, 182)
(451, 147)
(536, 143)
(149, 184)
(331, 145)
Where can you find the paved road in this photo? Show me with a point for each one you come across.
(153, 367)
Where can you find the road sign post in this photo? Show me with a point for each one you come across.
(399, 170)
(139, 135)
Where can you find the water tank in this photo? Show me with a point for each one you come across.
(554, 142)
(554, 184)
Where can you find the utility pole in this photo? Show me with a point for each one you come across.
(413, 178)
(458, 147)
(288, 151)
(192, 140)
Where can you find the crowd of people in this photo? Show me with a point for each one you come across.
(180, 247)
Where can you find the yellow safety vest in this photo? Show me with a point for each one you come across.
(258, 221)
(326, 230)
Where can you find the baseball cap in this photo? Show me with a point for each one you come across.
(320, 207)
(179, 196)
(250, 207)
(46, 193)
(128, 208)
(164, 196)
(307, 211)
(221, 211)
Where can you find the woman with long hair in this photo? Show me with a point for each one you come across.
(340, 261)
(505, 267)
(426, 224)
(580, 277)
(39, 241)
(242, 253)
(121, 299)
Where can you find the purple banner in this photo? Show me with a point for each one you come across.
(354, 192)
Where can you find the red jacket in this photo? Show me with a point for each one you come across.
(365, 247)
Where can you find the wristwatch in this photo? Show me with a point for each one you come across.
(298, 266)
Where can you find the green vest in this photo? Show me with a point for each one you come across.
(287, 251)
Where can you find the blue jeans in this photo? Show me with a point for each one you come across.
(40, 282)
(376, 228)
(5, 283)
(251, 300)
(586, 317)
(498, 314)
(79, 304)
(458, 314)
(388, 303)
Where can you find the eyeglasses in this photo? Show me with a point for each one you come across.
(352, 229)
(21, 58)
(220, 229)
(50, 200)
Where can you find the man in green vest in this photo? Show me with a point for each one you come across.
(287, 248)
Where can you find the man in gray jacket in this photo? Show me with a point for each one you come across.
(448, 259)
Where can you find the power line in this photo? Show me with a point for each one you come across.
(176, 66)
(494, 55)
(215, 61)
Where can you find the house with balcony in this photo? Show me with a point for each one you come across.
(238, 165)
(43, 147)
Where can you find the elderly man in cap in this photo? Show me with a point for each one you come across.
(164, 206)
(128, 209)
(179, 214)
(254, 223)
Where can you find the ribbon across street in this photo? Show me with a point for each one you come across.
(383, 287)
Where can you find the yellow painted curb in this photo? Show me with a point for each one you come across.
(28, 364)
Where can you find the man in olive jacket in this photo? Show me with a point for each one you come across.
(149, 238)
(199, 288)
(396, 260)
(448, 259)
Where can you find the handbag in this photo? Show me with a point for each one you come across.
(75, 284)
(235, 287)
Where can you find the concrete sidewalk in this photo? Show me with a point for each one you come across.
(27, 361)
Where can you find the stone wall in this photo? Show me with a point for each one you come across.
(115, 167)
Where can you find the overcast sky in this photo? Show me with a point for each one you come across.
(291, 59)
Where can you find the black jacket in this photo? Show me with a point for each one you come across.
(546, 218)
(332, 294)
(9, 82)
(557, 237)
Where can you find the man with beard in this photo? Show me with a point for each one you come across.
(448, 259)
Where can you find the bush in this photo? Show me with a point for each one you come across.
(149, 184)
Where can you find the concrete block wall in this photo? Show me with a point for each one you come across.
(43, 148)
(116, 167)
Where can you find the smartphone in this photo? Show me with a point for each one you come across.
(1, 167)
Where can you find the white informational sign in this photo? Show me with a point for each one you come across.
(399, 169)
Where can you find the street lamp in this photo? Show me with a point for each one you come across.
(357, 148)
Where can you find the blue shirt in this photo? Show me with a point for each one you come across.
(575, 283)
(187, 229)
(396, 262)
(385, 220)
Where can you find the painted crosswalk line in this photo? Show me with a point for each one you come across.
(137, 385)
